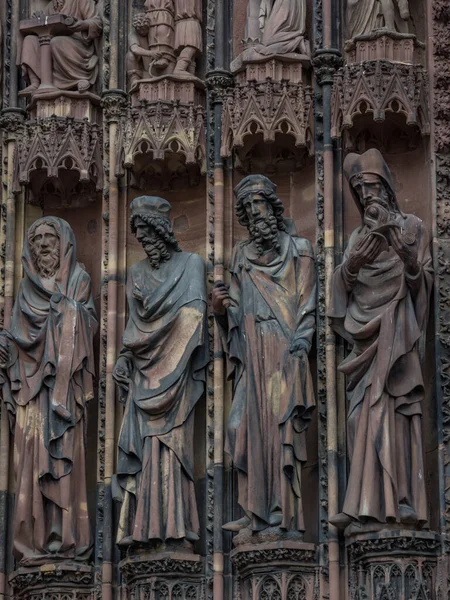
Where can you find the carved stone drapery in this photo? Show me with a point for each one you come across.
(60, 143)
(269, 99)
(378, 88)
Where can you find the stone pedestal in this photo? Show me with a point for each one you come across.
(58, 581)
(391, 46)
(74, 105)
(169, 88)
(278, 570)
(163, 576)
(393, 564)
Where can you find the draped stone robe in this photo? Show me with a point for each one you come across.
(283, 24)
(383, 313)
(273, 305)
(165, 344)
(46, 386)
(75, 57)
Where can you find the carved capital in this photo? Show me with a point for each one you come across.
(12, 120)
(114, 104)
(218, 82)
(326, 63)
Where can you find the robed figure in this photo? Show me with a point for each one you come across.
(367, 16)
(283, 26)
(75, 57)
(161, 372)
(47, 380)
(267, 320)
(379, 303)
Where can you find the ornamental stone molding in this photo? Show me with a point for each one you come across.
(57, 581)
(56, 145)
(378, 88)
(269, 99)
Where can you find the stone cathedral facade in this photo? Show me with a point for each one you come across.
(224, 299)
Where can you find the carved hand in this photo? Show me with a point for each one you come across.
(407, 253)
(122, 370)
(365, 251)
(78, 25)
(220, 298)
(4, 349)
(137, 293)
(298, 349)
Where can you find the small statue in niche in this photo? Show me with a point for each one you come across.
(379, 302)
(166, 39)
(267, 318)
(367, 16)
(75, 58)
(161, 375)
(46, 378)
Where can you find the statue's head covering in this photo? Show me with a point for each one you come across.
(254, 184)
(67, 252)
(371, 162)
(153, 206)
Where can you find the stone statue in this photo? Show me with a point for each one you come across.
(166, 39)
(46, 376)
(267, 318)
(161, 374)
(367, 16)
(75, 59)
(379, 303)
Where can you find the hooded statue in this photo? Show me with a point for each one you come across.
(379, 303)
(161, 373)
(47, 381)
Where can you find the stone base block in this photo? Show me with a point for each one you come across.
(163, 576)
(383, 45)
(169, 88)
(276, 68)
(65, 104)
(57, 581)
(393, 564)
(285, 570)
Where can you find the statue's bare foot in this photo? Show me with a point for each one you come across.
(341, 520)
(408, 516)
(275, 519)
(191, 536)
(83, 85)
(28, 90)
(236, 526)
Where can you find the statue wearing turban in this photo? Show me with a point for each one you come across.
(267, 319)
(161, 373)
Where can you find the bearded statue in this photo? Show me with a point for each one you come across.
(161, 375)
(267, 321)
(46, 378)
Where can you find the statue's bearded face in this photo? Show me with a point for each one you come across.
(262, 223)
(58, 5)
(45, 250)
(374, 198)
(153, 243)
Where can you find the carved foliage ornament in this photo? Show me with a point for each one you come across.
(377, 88)
(268, 108)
